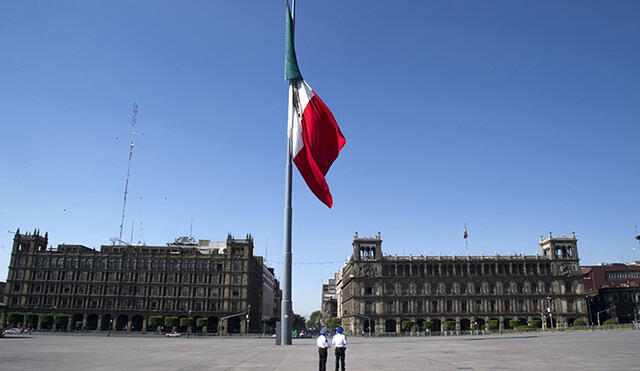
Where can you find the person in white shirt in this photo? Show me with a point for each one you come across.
(340, 342)
(323, 345)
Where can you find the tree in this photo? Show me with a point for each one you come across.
(46, 319)
(579, 322)
(536, 323)
(449, 325)
(154, 321)
(314, 320)
(611, 321)
(493, 324)
(185, 322)
(426, 325)
(332, 323)
(170, 321)
(31, 319)
(406, 325)
(14, 318)
(201, 322)
(298, 322)
(60, 320)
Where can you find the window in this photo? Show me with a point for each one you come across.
(237, 266)
(449, 306)
(463, 306)
(235, 292)
(388, 307)
(215, 292)
(368, 290)
(200, 291)
(434, 306)
(184, 291)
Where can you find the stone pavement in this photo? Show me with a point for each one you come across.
(602, 350)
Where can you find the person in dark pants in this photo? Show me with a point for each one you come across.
(323, 345)
(340, 342)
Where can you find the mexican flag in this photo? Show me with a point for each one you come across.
(315, 139)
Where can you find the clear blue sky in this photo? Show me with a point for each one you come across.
(515, 117)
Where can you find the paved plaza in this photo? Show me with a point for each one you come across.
(602, 350)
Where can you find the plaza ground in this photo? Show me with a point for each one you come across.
(601, 350)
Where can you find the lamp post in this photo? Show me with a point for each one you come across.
(549, 310)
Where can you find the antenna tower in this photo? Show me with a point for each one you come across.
(132, 144)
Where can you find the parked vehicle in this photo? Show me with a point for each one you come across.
(173, 334)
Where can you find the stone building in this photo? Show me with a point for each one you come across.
(120, 286)
(329, 303)
(378, 293)
(613, 291)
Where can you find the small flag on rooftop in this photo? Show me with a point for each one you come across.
(466, 234)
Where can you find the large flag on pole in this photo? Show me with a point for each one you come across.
(314, 135)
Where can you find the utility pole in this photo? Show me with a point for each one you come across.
(248, 311)
(132, 144)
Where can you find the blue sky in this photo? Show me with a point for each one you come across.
(515, 117)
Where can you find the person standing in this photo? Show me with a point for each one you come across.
(340, 342)
(323, 345)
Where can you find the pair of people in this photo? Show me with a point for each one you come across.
(339, 341)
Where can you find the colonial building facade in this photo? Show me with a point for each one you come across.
(377, 293)
(613, 291)
(120, 286)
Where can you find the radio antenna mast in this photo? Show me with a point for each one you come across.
(132, 144)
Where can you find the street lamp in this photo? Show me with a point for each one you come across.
(549, 310)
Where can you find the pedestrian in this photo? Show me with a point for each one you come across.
(323, 345)
(340, 342)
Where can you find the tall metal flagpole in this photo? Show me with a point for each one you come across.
(286, 313)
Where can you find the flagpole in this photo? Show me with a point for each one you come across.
(286, 315)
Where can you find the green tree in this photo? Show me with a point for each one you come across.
(170, 321)
(79, 324)
(185, 322)
(60, 320)
(426, 325)
(298, 322)
(406, 325)
(611, 321)
(31, 319)
(14, 318)
(536, 323)
(314, 320)
(449, 325)
(579, 322)
(517, 323)
(493, 324)
(332, 324)
(201, 322)
(46, 319)
(154, 321)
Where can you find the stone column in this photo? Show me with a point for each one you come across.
(457, 323)
(129, 323)
(398, 325)
(442, 319)
(501, 323)
(100, 322)
(144, 324)
(85, 318)
(69, 321)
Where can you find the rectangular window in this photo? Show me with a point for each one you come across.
(235, 292)
(237, 279)
(184, 291)
(215, 292)
(237, 266)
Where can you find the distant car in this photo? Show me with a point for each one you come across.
(13, 331)
(173, 334)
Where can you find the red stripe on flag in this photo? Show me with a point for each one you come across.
(323, 141)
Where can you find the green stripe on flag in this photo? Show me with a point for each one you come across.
(291, 70)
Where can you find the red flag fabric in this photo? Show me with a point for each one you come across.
(316, 139)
